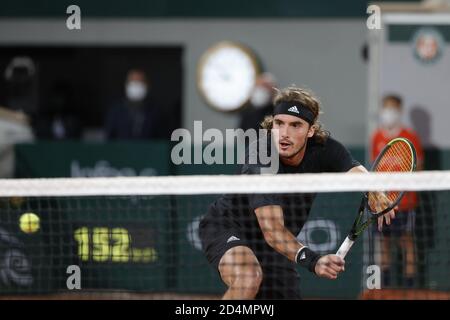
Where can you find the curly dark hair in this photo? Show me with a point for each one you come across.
(305, 98)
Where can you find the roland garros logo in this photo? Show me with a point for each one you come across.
(428, 45)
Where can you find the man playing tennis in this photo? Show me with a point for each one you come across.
(250, 239)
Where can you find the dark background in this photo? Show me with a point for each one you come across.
(92, 78)
(191, 8)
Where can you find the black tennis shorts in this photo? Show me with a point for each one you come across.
(219, 235)
(217, 238)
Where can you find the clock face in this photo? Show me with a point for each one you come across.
(226, 75)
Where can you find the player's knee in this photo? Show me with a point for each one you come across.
(248, 279)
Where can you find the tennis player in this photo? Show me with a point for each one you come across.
(250, 239)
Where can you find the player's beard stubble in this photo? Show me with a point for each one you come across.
(294, 152)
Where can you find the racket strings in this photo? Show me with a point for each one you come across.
(398, 158)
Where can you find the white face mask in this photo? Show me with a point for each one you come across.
(136, 91)
(390, 117)
(260, 97)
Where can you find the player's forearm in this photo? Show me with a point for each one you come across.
(271, 221)
(283, 241)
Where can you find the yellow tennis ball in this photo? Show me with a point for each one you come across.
(29, 222)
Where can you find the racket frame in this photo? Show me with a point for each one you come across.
(364, 207)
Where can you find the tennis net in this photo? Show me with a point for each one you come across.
(94, 238)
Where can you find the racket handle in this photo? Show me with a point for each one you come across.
(345, 247)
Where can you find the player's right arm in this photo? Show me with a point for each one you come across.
(271, 222)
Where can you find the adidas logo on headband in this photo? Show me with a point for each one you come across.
(293, 109)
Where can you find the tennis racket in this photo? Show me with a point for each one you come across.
(399, 155)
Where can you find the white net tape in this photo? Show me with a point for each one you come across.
(219, 184)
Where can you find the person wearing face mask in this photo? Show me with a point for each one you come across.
(260, 103)
(400, 232)
(135, 117)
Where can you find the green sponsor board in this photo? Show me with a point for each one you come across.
(25, 263)
(75, 159)
(437, 252)
(118, 242)
(121, 242)
(195, 275)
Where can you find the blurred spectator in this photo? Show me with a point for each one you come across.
(401, 229)
(14, 128)
(260, 102)
(21, 85)
(21, 102)
(136, 116)
(58, 120)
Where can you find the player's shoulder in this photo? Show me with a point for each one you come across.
(324, 147)
(329, 142)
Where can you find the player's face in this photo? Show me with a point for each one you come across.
(290, 135)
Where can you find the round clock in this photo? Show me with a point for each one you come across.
(226, 75)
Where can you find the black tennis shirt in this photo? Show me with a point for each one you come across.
(236, 211)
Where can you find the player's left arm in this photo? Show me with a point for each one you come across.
(388, 216)
(271, 222)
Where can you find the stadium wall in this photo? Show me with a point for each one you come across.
(322, 54)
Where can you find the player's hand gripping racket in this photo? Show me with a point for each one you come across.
(398, 155)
